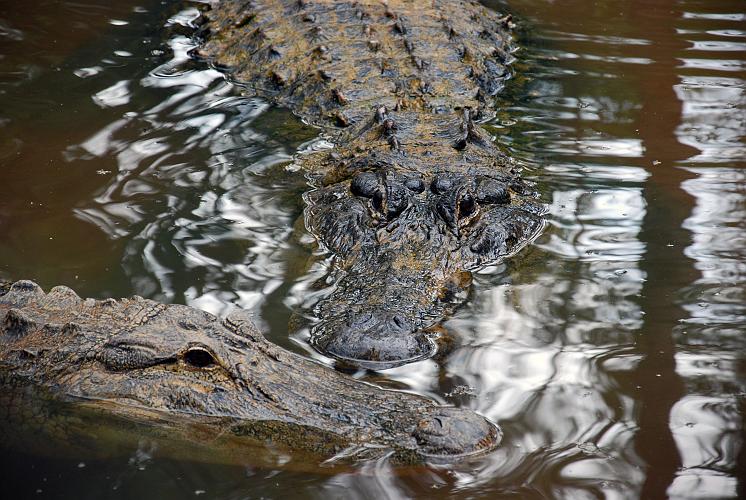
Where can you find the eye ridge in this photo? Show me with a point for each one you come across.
(199, 357)
(365, 184)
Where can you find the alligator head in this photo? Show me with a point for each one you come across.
(153, 363)
(407, 231)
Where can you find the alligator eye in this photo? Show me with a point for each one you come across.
(199, 357)
(391, 200)
(467, 205)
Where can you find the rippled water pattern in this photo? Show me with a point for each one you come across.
(612, 351)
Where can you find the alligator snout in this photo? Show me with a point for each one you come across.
(450, 432)
(377, 340)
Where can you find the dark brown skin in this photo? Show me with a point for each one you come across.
(154, 363)
(415, 196)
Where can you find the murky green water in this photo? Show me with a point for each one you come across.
(612, 352)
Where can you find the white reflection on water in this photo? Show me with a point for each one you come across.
(718, 227)
(210, 208)
(713, 118)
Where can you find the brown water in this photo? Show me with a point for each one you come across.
(612, 351)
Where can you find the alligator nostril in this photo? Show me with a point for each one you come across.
(361, 320)
(446, 211)
(378, 201)
(391, 200)
(379, 340)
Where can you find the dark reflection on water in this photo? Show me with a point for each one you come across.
(611, 352)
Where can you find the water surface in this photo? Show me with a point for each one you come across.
(611, 351)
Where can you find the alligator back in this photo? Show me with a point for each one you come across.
(332, 62)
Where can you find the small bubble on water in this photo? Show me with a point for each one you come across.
(81, 465)
(199, 492)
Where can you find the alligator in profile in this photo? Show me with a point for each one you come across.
(154, 363)
(415, 195)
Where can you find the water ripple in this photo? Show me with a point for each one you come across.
(610, 351)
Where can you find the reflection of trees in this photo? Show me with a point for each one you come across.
(679, 291)
(655, 383)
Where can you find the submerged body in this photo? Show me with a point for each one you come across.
(153, 363)
(415, 195)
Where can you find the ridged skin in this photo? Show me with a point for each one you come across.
(157, 363)
(334, 61)
(415, 195)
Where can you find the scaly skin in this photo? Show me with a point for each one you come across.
(415, 196)
(149, 362)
